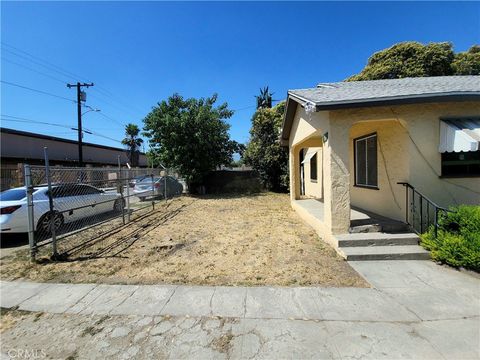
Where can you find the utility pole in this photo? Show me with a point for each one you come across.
(81, 96)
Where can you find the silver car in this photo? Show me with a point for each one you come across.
(146, 188)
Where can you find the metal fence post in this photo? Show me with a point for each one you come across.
(31, 226)
(165, 178)
(153, 192)
(120, 187)
(50, 204)
(128, 195)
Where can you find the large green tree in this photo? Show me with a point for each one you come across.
(263, 151)
(190, 135)
(413, 59)
(133, 142)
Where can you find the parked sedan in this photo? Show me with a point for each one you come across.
(71, 203)
(144, 187)
(136, 179)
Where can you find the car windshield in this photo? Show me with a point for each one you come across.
(148, 179)
(13, 194)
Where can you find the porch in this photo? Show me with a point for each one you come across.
(370, 236)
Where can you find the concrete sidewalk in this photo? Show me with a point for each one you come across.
(414, 309)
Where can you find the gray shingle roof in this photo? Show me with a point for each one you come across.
(378, 90)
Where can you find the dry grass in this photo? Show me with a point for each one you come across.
(237, 240)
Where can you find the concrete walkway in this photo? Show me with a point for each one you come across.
(415, 309)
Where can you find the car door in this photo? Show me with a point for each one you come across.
(102, 201)
(66, 202)
(90, 200)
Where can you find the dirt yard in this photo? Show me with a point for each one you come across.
(230, 240)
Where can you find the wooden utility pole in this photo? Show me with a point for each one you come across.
(80, 98)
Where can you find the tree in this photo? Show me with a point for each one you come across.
(264, 100)
(264, 152)
(413, 59)
(190, 135)
(468, 62)
(133, 143)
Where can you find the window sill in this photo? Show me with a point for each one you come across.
(367, 187)
(458, 176)
(313, 181)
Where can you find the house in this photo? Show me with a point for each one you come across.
(367, 157)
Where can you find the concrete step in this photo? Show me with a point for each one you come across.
(371, 226)
(377, 239)
(409, 252)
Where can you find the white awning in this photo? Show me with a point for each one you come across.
(310, 153)
(459, 135)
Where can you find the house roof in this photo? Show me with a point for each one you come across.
(342, 95)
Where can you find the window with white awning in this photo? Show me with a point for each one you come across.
(460, 147)
(459, 135)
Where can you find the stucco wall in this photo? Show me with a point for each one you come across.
(313, 188)
(392, 167)
(408, 140)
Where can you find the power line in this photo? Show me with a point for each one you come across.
(36, 90)
(36, 71)
(39, 61)
(112, 119)
(52, 67)
(24, 120)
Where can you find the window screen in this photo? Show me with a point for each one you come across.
(366, 161)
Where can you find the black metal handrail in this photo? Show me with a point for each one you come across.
(419, 216)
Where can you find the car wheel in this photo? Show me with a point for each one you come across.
(44, 223)
(142, 198)
(118, 205)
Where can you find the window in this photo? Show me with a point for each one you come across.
(461, 164)
(313, 168)
(365, 149)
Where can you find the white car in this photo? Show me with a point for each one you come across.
(71, 203)
(143, 188)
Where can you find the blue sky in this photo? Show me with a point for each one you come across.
(140, 53)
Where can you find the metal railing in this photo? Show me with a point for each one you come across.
(74, 209)
(421, 212)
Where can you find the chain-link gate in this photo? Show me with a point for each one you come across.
(75, 210)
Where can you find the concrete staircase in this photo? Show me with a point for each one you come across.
(381, 246)
(380, 239)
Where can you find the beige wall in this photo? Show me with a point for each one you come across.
(392, 167)
(313, 188)
(408, 140)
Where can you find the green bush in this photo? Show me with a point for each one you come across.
(458, 239)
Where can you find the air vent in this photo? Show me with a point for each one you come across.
(326, 86)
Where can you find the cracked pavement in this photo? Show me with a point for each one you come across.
(414, 309)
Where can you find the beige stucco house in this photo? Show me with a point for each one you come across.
(352, 143)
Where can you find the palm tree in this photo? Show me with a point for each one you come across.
(133, 142)
(264, 100)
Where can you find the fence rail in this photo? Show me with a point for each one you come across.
(421, 212)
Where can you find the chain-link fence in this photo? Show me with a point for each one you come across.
(75, 210)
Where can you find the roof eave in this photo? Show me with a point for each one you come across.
(293, 100)
(399, 100)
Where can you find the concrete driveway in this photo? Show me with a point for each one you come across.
(415, 309)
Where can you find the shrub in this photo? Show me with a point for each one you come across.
(458, 239)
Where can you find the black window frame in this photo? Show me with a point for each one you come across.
(356, 165)
(314, 168)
